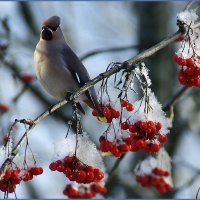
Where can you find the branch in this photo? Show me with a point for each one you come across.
(129, 64)
(190, 181)
(104, 50)
(175, 98)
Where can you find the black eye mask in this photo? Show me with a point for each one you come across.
(47, 33)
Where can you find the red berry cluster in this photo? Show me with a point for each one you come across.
(188, 75)
(156, 179)
(126, 104)
(4, 108)
(77, 171)
(108, 112)
(29, 173)
(116, 150)
(13, 177)
(144, 135)
(83, 192)
(27, 78)
(10, 179)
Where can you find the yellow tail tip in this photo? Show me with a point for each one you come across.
(102, 119)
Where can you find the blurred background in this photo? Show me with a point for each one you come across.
(128, 26)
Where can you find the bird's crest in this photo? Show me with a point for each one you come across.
(52, 22)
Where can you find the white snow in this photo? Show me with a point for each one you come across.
(86, 150)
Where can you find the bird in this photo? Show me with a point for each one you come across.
(58, 68)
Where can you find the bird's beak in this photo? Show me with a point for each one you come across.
(47, 33)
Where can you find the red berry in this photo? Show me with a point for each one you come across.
(124, 147)
(166, 173)
(88, 195)
(4, 108)
(103, 146)
(68, 159)
(189, 62)
(109, 145)
(143, 125)
(11, 188)
(162, 189)
(72, 177)
(132, 128)
(134, 148)
(89, 169)
(140, 144)
(98, 174)
(115, 114)
(27, 176)
(116, 152)
(168, 186)
(60, 168)
(39, 170)
(162, 138)
(89, 176)
(94, 113)
(67, 171)
(15, 174)
(80, 176)
(155, 171)
(176, 58)
(123, 103)
(158, 126)
(128, 140)
(155, 147)
(27, 78)
(8, 173)
(124, 125)
(180, 38)
(129, 107)
(139, 179)
(52, 166)
(107, 112)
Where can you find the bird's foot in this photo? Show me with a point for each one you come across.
(50, 108)
(68, 95)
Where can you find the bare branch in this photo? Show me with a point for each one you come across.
(175, 98)
(105, 50)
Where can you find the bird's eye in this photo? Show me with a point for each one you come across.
(46, 33)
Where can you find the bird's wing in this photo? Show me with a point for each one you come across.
(79, 74)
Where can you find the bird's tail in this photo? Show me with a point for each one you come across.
(92, 102)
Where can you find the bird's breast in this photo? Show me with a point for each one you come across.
(52, 72)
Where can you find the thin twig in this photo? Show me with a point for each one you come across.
(175, 98)
(105, 50)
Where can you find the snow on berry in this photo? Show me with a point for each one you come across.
(147, 130)
(84, 191)
(188, 54)
(155, 172)
(78, 159)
